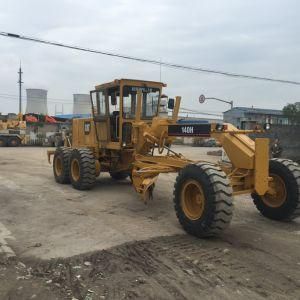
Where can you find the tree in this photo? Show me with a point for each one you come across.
(292, 112)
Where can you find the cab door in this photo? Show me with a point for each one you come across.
(99, 101)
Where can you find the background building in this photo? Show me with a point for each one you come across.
(36, 101)
(81, 104)
(248, 118)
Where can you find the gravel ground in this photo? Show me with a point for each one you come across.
(59, 243)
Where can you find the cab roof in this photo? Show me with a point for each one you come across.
(124, 81)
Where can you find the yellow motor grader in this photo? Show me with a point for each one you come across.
(127, 137)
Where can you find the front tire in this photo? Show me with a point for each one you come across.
(203, 199)
(82, 169)
(284, 204)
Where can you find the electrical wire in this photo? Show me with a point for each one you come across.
(70, 102)
(17, 96)
(8, 99)
(151, 61)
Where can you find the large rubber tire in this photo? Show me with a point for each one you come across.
(82, 169)
(13, 142)
(289, 172)
(217, 201)
(61, 163)
(119, 175)
(3, 142)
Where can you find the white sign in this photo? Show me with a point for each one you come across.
(187, 129)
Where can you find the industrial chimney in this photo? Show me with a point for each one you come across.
(36, 101)
(81, 104)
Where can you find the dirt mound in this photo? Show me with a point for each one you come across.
(175, 267)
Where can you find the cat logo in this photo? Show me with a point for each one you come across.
(87, 127)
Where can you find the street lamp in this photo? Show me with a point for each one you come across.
(202, 99)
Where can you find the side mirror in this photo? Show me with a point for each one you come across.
(171, 103)
(113, 99)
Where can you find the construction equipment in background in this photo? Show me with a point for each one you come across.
(12, 130)
(126, 137)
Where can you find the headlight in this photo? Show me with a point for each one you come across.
(267, 126)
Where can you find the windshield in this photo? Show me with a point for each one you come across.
(150, 100)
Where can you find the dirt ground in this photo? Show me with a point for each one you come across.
(59, 243)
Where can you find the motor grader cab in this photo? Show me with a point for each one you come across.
(127, 137)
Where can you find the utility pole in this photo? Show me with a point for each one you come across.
(20, 89)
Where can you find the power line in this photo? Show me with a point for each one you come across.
(13, 98)
(61, 99)
(182, 111)
(151, 61)
(68, 102)
(195, 112)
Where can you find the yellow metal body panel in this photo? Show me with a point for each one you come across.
(239, 147)
(261, 173)
(81, 135)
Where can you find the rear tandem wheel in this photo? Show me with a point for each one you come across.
(203, 199)
(82, 169)
(61, 165)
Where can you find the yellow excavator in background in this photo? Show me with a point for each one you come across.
(12, 130)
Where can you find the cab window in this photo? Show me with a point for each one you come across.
(114, 100)
(102, 105)
(98, 102)
(129, 102)
(150, 101)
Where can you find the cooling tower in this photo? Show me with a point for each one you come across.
(36, 101)
(81, 104)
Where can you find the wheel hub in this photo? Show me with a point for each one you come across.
(192, 199)
(75, 169)
(279, 192)
(58, 166)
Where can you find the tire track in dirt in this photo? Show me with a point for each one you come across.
(171, 267)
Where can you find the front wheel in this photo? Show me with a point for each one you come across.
(203, 199)
(283, 200)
